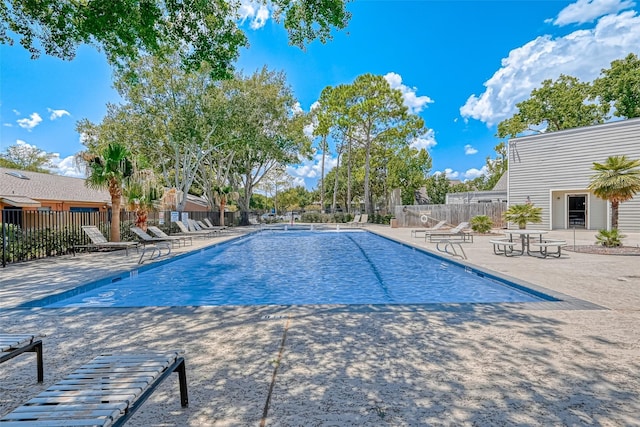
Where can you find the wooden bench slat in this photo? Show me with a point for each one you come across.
(53, 400)
(57, 413)
(92, 392)
(95, 422)
(110, 376)
(99, 386)
(115, 406)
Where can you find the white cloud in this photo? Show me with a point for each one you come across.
(9, 125)
(66, 166)
(255, 12)
(469, 150)
(449, 173)
(56, 114)
(474, 173)
(582, 54)
(414, 103)
(312, 169)
(583, 11)
(16, 112)
(427, 141)
(30, 123)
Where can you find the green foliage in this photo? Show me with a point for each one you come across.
(620, 85)
(558, 105)
(408, 170)
(368, 115)
(24, 245)
(609, 238)
(481, 224)
(523, 214)
(437, 187)
(616, 180)
(109, 168)
(205, 32)
(26, 157)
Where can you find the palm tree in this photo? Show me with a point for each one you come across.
(617, 180)
(109, 169)
(522, 214)
(142, 193)
(223, 195)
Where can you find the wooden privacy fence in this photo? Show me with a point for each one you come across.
(428, 215)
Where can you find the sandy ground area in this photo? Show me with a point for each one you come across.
(404, 365)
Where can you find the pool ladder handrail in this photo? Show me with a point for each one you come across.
(450, 248)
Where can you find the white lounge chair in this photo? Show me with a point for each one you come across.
(364, 220)
(456, 233)
(146, 238)
(355, 221)
(184, 230)
(98, 241)
(414, 233)
(159, 233)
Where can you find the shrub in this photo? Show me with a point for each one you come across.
(522, 214)
(609, 238)
(481, 224)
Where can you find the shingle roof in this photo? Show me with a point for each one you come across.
(42, 186)
(501, 185)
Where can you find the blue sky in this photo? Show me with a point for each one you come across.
(462, 65)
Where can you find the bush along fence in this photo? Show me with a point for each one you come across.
(29, 235)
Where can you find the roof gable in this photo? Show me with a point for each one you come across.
(43, 186)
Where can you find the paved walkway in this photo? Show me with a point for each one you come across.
(399, 365)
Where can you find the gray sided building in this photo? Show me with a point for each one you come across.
(553, 170)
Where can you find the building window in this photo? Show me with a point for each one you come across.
(77, 209)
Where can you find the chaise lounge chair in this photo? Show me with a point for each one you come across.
(184, 231)
(12, 345)
(456, 233)
(208, 224)
(105, 392)
(414, 233)
(146, 238)
(364, 220)
(355, 221)
(159, 233)
(98, 241)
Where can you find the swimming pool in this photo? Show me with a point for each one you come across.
(301, 267)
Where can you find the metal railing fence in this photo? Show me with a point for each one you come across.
(33, 234)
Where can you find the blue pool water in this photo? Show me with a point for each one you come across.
(302, 267)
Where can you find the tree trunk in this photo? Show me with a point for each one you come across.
(115, 218)
(367, 192)
(614, 214)
(222, 204)
(324, 153)
(335, 186)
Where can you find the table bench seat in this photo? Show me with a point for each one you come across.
(504, 247)
(545, 244)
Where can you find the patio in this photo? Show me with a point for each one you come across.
(360, 365)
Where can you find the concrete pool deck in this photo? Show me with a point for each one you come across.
(476, 364)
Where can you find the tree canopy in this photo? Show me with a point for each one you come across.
(26, 157)
(203, 31)
(620, 85)
(568, 103)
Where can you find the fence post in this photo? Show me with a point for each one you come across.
(4, 240)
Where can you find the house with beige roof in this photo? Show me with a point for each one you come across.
(25, 190)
